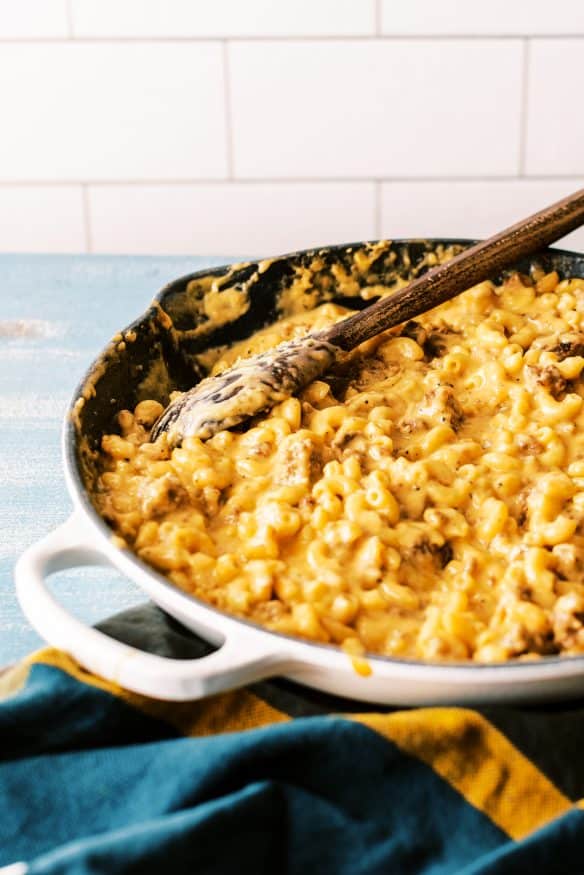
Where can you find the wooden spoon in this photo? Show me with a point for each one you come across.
(257, 383)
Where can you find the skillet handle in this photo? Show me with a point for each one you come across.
(238, 661)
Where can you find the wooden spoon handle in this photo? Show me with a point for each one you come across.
(478, 263)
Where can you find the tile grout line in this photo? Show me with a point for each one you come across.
(377, 207)
(86, 218)
(227, 109)
(378, 17)
(524, 108)
(69, 15)
(385, 37)
(288, 180)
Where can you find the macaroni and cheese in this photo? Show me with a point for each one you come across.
(424, 500)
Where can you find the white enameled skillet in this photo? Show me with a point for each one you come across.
(153, 354)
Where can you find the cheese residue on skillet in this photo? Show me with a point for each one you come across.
(425, 499)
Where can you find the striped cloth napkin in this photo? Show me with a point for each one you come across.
(275, 778)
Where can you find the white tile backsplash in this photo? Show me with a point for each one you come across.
(375, 108)
(229, 218)
(253, 126)
(469, 17)
(33, 19)
(82, 112)
(200, 18)
(555, 118)
(42, 218)
(469, 209)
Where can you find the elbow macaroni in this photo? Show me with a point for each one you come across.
(426, 501)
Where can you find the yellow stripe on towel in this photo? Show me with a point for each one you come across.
(13, 679)
(478, 761)
(226, 712)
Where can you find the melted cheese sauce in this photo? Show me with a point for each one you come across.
(425, 499)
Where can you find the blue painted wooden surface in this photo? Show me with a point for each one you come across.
(56, 314)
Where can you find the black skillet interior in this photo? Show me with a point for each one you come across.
(157, 353)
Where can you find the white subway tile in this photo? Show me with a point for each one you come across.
(229, 218)
(555, 120)
(41, 218)
(20, 19)
(184, 18)
(469, 209)
(376, 108)
(497, 17)
(121, 111)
